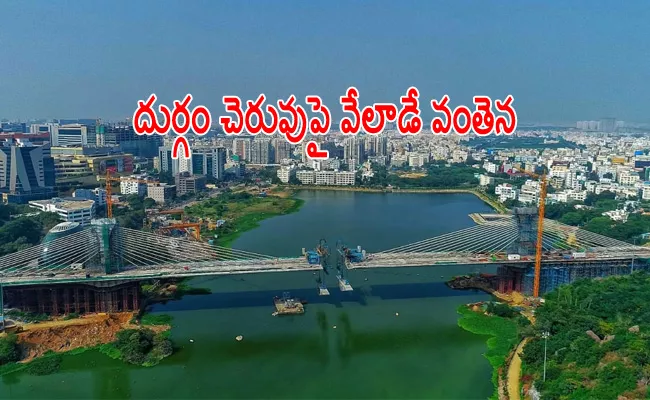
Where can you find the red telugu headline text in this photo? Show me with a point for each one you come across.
(294, 123)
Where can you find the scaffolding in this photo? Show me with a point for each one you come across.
(526, 220)
(553, 276)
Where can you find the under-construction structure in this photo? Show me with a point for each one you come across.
(571, 263)
(345, 256)
(56, 300)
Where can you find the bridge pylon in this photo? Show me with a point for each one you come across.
(109, 239)
(526, 220)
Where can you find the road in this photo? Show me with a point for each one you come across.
(514, 372)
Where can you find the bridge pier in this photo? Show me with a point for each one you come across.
(82, 299)
(520, 277)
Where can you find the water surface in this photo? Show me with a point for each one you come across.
(395, 336)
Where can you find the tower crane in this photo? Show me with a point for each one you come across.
(540, 226)
(109, 199)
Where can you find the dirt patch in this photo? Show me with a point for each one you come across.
(61, 336)
(413, 175)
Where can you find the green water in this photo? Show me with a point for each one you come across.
(347, 345)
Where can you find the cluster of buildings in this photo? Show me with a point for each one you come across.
(602, 163)
(36, 157)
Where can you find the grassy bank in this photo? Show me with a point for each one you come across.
(487, 199)
(503, 337)
(242, 212)
(144, 344)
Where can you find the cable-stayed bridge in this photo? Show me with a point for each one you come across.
(106, 252)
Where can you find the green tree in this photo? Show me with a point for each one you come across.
(9, 351)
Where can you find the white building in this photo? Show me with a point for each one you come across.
(344, 178)
(306, 177)
(506, 191)
(284, 173)
(645, 192)
(491, 168)
(417, 160)
(628, 178)
(326, 178)
(131, 185)
(80, 211)
(485, 180)
(69, 135)
(529, 192)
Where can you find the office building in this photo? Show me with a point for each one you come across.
(76, 162)
(209, 161)
(186, 183)
(26, 172)
(130, 142)
(69, 135)
(161, 192)
(70, 210)
(14, 127)
(98, 195)
(173, 166)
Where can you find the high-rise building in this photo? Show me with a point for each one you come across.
(281, 150)
(129, 141)
(261, 151)
(242, 148)
(173, 166)
(607, 125)
(209, 161)
(354, 151)
(377, 145)
(26, 172)
(69, 135)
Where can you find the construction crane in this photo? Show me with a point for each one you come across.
(187, 225)
(109, 198)
(540, 227)
(151, 213)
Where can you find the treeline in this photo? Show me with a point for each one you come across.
(437, 176)
(599, 344)
(24, 231)
(591, 218)
(133, 215)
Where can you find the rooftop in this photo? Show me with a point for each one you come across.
(67, 203)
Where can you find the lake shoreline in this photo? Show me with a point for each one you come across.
(498, 207)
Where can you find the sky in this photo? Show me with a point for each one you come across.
(562, 61)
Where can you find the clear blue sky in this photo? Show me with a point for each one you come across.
(563, 61)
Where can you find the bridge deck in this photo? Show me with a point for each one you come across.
(163, 271)
(386, 260)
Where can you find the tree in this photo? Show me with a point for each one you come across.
(9, 351)
(142, 346)
(293, 180)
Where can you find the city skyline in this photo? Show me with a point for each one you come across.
(98, 59)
